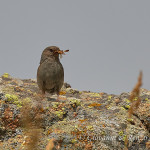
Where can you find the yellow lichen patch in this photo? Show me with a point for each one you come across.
(94, 94)
(55, 104)
(125, 138)
(29, 91)
(5, 75)
(127, 106)
(59, 113)
(130, 120)
(127, 100)
(49, 131)
(13, 99)
(122, 108)
(135, 99)
(109, 97)
(77, 102)
(73, 141)
(121, 133)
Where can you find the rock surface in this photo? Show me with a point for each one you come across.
(80, 120)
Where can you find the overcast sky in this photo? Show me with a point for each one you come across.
(109, 41)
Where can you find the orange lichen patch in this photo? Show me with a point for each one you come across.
(62, 92)
(101, 94)
(75, 114)
(88, 146)
(117, 100)
(76, 132)
(58, 131)
(26, 84)
(94, 105)
(49, 131)
(82, 120)
(50, 144)
(9, 121)
(104, 125)
(1, 144)
(18, 89)
(19, 138)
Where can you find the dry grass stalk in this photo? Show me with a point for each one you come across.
(31, 121)
(50, 144)
(135, 102)
(135, 94)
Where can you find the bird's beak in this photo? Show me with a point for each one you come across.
(62, 52)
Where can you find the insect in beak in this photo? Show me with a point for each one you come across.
(61, 52)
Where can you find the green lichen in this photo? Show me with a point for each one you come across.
(146, 99)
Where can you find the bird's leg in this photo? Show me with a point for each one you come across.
(42, 95)
(57, 96)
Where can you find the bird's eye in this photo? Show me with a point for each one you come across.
(51, 50)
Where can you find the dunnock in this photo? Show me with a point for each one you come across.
(50, 73)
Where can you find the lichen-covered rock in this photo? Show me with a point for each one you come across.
(80, 120)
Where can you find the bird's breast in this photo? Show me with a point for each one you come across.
(51, 70)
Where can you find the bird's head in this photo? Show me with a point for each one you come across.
(53, 51)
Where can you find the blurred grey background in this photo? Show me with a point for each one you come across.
(109, 41)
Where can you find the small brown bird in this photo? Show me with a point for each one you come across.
(50, 73)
